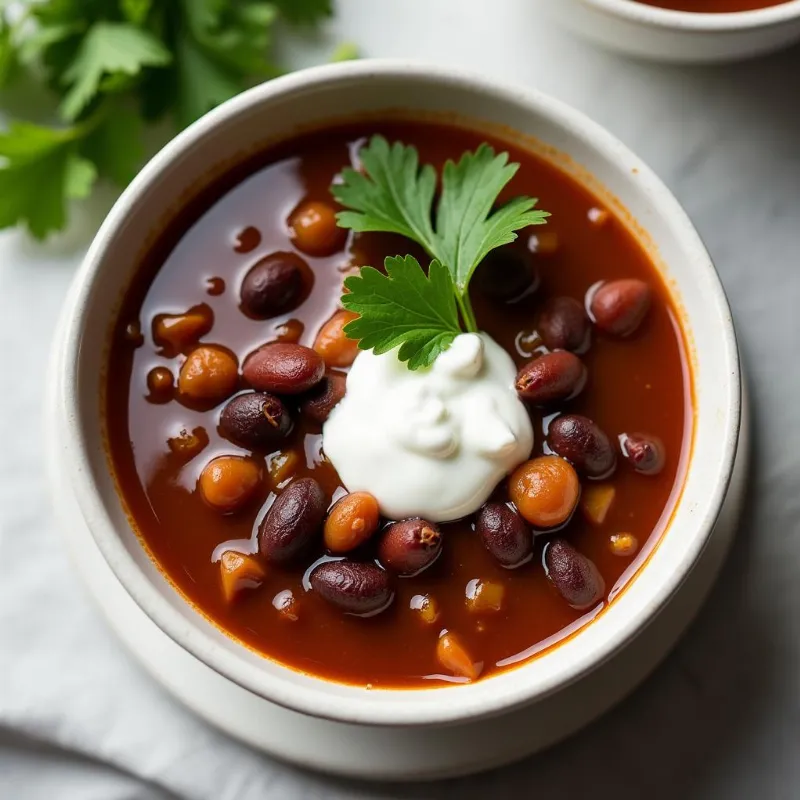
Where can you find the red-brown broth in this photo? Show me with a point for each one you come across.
(637, 384)
(713, 6)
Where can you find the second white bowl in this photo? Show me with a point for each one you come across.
(679, 36)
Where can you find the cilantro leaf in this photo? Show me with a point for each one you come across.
(394, 194)
(465, 225)
(304, 12)
(202, 83)
(42, 170)
(115, 145)
(108, 48)
(403, 308)
(109, 62)
(346, 51)
(235, 36)
(7, 53)
(79, 176)
(136, 11)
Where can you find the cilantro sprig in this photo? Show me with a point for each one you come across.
(405, 308)
(393, 193)
(110, 66)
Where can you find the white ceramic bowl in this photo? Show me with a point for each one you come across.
(679, 36)
(312, 98)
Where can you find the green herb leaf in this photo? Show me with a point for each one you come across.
(115, 146)
(392, 195)
(403, 308)
(136, 11)
(304, 12)
(346, 51)
(79, 176)
(465, 225)
(7, 53)
(42, 170)
(106, 49)
(107, 60)
(202, 83)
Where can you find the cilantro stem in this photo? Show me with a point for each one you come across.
(466, 313)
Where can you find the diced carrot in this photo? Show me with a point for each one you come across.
(179, 331)
(598, 216)
(623, 544)
(286, 605)
(453, 657)
(426, 608)
(283, 466)
(596, 502)
(239, 571)
(187, 444)
(544, 243)
(484, 596)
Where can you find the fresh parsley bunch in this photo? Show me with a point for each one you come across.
(112, 64)
(404, 307)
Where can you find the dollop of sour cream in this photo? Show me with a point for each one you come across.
(431, 442)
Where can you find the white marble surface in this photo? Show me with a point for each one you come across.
(720, 719)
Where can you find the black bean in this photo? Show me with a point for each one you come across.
(275, 284)
(582, 442)
(618, 307)
(644, 452)
(551, 378)
(506, 275)
(284, 368)
(410, 546)
(563, 325)
(256, 420)
(352, 586)
(293, 521)
(575, 577)
(322, 399)
(504, 534)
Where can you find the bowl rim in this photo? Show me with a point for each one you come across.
(418, 707)
(698, 22)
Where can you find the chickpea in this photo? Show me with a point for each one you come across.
(453, 657)
(545, 490)
(314, 229)
(332, 343)
(351, 521)
(160, 384)
(228, 482)
(209, 373)
(623, 544)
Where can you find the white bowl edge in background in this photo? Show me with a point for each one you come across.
(644, 31)
(276, 108)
